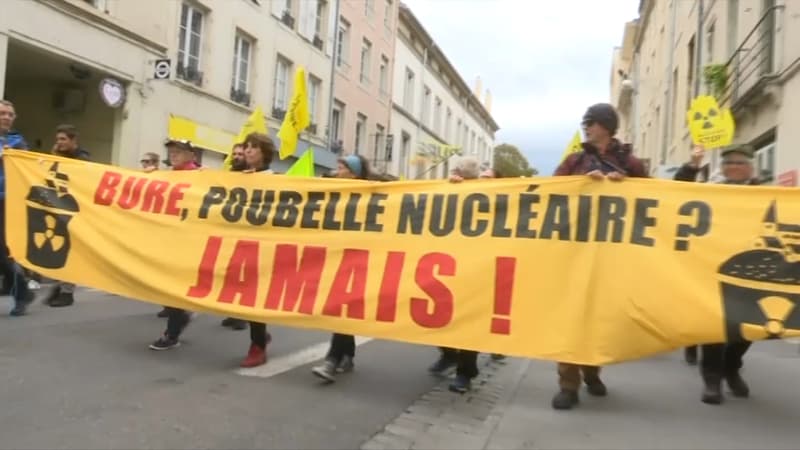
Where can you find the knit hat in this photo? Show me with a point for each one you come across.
(603, 114)
(743, 149)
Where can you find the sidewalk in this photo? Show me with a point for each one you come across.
(652, 404)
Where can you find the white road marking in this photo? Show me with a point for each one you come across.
(293, 360)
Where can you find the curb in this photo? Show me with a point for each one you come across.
(442, 419)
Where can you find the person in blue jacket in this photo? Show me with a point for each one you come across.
(10, 270)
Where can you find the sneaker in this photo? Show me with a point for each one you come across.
(737, 385)
(227, 322)
(565, 399)
(461, 384)
(712, 393)
(62, 299)
(596, 387)
(441, 366)
(21, 308)
(238, 324)
(51, 296)
(256, 356)
(164, 343)
(326, 371)
(345, 365)
(164, 313)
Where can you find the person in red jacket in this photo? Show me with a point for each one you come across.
(602, 156)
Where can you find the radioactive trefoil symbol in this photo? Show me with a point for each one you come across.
(49, 210)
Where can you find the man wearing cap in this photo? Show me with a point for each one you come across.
(181, 157)
(723, 361)
(602, 156)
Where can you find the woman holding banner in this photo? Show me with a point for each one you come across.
(258, 151)
(342, 349)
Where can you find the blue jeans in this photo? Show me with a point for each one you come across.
(19, 286)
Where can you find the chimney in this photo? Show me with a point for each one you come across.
(478, 88)
(487, 102)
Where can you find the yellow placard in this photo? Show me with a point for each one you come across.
(709, 125)
(201, 135)
(562, 268)
(574, 146)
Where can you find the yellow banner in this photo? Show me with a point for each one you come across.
(556, 268)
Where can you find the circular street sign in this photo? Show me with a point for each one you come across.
(112, 92)
(162, 69)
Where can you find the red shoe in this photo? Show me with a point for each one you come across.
(256, 356)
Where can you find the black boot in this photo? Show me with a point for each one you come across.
(712, 393)
(63, 299)
(690, 355)
(737, 384)
(565, 399)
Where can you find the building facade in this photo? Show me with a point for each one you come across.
(364, 62)
(434, 112)
(193, 69)
(746, 53)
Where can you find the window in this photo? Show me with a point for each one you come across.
(384, 77)
(379, 132)
(189, 41)
(314, 88)
(387, 16)
(457, 137)
(369, 7)
(361, 129)
(437, 115)
(281, 84)
(408, 91)
(405, 149)
(318, 18)
(765, 164)
(447, 120)
(676, 114)
(102, 5)
(425, 114)
(241, 69)
(710, 43)
(733, 25)
(366, 55)
(336, 119)
(343, 44)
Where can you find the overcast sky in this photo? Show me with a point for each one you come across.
(544, 61)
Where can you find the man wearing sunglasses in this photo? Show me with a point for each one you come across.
(723, 361)
(602, 156)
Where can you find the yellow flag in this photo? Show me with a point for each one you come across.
(574, 146)
(297, 116)
(254, 124)
(303, 167)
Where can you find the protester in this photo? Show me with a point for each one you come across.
(67, 146)
(723, 360)
(149, 160)
(13, 274)
(258, 153)
(238, 164)
(342, 349)
(602, 156)
(181, 157)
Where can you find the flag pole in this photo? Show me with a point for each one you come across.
(331, 97)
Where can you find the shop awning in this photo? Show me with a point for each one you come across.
(202, 136)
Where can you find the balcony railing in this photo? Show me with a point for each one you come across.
(752, 65)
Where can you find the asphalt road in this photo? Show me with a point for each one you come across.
(83, 377)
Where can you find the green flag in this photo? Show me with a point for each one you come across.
(303, 167)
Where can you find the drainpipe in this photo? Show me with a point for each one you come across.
(331, 96)
(668, 113)
(699, 46)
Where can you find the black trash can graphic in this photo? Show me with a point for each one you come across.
(49, 210)
(760, 287)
